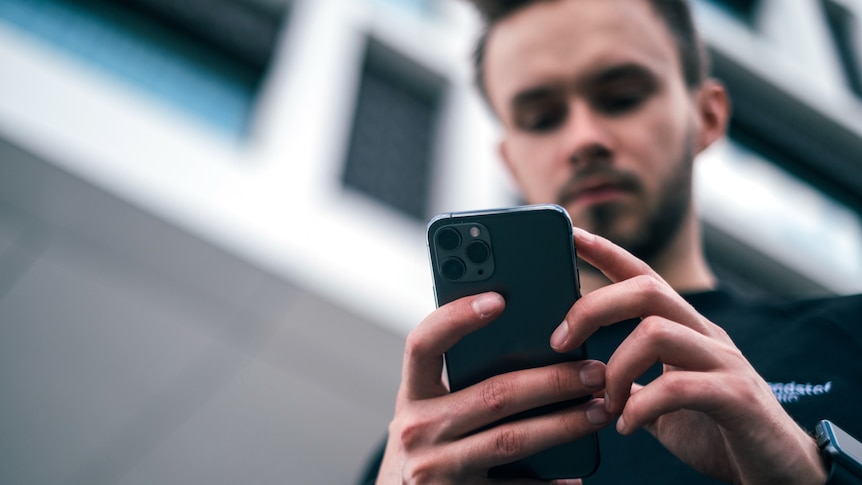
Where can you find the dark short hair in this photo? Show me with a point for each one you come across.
(676, 15)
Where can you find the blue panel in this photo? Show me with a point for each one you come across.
(213, 88)
(421, 6)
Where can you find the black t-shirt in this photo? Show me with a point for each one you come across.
(808, 351)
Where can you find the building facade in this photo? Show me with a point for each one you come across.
(212, 214)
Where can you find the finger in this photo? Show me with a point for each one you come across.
(673, 391)
(659, 340)
(613, 261)
(508, 394)
(515, 440)
(637, 297)
(424, 348)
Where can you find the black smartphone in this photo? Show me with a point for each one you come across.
(527, 255)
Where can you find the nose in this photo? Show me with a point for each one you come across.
(586, 138)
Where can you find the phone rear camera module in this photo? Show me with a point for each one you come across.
(448, 238)
(477, 252)
(453, 268)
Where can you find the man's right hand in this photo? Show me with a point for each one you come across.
(433, 437)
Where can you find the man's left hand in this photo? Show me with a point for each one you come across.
(709, 407)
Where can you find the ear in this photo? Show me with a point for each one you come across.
(713, 111)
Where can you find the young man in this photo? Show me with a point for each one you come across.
(603, 106)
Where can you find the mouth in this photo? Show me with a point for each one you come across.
(595, 191)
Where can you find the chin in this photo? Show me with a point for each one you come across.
(611, 220)
(626, 232)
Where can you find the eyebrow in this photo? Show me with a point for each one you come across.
(617, 72)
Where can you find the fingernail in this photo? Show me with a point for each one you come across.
(582, 234)
(593, 375)
(596, 414)
(621, 425)
(560, 335)
(487, 304)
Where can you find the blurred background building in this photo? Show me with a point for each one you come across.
(212, 215)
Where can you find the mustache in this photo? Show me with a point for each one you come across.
(594, 176)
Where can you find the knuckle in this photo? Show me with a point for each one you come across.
(508, 442)
(613, 374)
(586, 305)
(657, 329)
(496, 395)
(414, 345)
(571, 424)
(649, 285)
(560, 380)
(729, 390)
(413, 433)
(643, 268)
(409, 436)
(729, 354)
(677, 385)
(674, 386)
(719, 333)
(420, 470)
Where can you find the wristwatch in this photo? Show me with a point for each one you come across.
(841, 452)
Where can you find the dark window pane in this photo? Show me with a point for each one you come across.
(843, 25)
(390, 152)
(742, 9)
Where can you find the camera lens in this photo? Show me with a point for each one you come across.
(477, 252)
(453, 268)
(448, 238)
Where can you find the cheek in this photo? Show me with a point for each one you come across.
(537, 166)
(658, 140)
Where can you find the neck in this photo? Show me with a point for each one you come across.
(682, 263)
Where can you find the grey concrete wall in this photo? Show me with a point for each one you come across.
(133, 353)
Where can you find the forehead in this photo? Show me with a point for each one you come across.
(565, 40)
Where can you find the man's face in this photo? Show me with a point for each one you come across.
(596, 116)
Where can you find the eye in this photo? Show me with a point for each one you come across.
(542, 118)
(622, 98)
(619, 104)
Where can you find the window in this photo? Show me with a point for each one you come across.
(392, 142)
(842, 24)
(424, 7)
(206, 58)
(800, 240)
(744, 10)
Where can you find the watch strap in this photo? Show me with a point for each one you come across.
(838, 475)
